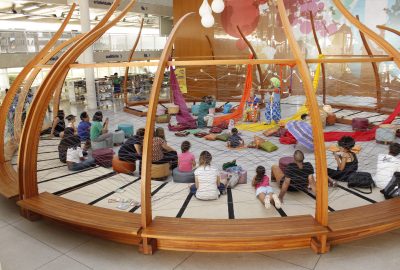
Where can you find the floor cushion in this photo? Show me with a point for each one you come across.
(118, 137)
(103, 157)
(360, 124)
(268, 147)
(123, 166)
(385, 135)
(331, 119)
(284, 161)
(160, 171)
(98, 145)
(182, 177)
(127, 128)
(222, 137)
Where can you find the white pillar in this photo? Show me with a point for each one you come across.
(87, 56)
(4, 80)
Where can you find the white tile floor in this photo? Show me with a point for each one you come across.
(46, 245)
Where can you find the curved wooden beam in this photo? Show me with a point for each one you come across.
(8, 99)
(28, 83)
(374, 67)
(57, 93)
(148, 137)
(31, 132)
(125, 85)
(211, 46)
(384, 27)
(320, 52)
(321, 211)
(386, 46)
(254, 54)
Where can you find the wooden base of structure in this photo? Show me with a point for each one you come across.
(135, 112)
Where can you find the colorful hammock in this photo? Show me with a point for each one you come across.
(238, 113)
(361, 136)
(183, 117)
(256, 127)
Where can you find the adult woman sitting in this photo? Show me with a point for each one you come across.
(99, 131)
(131, 149)
(162, 152)
(66, 142)
(347, 162)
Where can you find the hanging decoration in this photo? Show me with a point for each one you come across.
(205, 11)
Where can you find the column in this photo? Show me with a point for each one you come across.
(4, 80)
(87, 56)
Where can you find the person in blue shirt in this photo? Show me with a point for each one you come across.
(84, 127)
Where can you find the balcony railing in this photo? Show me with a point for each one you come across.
(31, 42)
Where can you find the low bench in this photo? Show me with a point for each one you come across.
(223, 235)
(110, 224)
(359, 222)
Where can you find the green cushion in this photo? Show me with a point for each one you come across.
(223, 137)
(268, 147)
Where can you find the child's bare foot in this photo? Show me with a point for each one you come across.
(277, 201)
(267, 201)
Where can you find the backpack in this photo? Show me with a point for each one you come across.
(392, 189)
(361, 180)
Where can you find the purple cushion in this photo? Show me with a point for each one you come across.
(360, 123)
(103, 157)
(283, 162)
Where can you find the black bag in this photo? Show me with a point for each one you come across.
(361, 180)
(392, 189)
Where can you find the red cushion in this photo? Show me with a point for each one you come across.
(103, 157)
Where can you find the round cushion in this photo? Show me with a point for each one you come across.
(331, 119)
(160, 171)
(122, 166)
(98, 145)
(284, 161)
(118, 137)
(182, 177)
(127, 129)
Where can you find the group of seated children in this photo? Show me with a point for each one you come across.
(72, 137)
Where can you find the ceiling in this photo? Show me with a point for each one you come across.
(54, 11)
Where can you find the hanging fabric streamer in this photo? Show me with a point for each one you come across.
(256, 127)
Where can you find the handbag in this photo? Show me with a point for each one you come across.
(361, 180)
(392, 189)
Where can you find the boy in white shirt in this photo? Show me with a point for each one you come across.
(75, 159)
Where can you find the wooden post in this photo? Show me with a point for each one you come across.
(125, 85)
(146, 212)
(321, 211)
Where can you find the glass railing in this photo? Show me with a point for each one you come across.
(31, 42)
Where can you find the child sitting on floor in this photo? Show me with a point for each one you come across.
(76, 160)
(264, 191)
(207, 181)
(186, 160)
(234, 140)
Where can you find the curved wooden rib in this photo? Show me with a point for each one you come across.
(384, 27)
(27, 85)
(125, 86)
(148, 137)
(255, 57)
(31, 131)
(59, 86)
(5, 107)
(320, 52)
(321, 211)
(211, 46)
(389, 49)
(374, 67)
